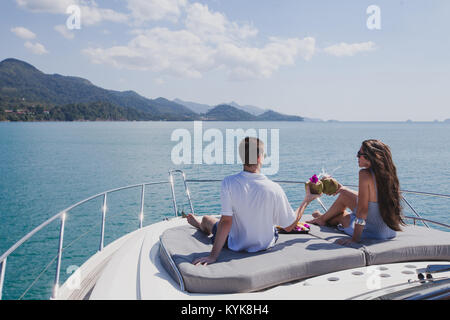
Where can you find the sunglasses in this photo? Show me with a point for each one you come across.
(360, 154)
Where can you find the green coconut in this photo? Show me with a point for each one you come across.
(315, 188)
(330, 185)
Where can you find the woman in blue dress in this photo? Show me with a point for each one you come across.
(377, 212)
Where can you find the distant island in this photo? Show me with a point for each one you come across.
(434, 121)
(28, 94)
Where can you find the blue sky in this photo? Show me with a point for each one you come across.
(310, 58)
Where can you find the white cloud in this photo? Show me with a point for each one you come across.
(90, 12)
(161, 50)
(23, 33)
(36, 48)
(139, 10)
(91, 15)
(183, 53)
(250, 62)
(155, 10)
(66, 33)
(214, 26)
(50, 6)
(347, 50)
(201, 40)
(208, 41)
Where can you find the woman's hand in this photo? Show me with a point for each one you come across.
(339, 189)
(309, 197)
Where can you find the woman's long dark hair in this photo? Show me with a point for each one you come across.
(388, 186)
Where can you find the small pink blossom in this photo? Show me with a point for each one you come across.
(314, 179)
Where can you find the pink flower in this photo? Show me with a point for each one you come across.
(314, 179)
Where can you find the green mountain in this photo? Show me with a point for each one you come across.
(163, 105)
(250, 109)
(94, 111)
(275, 116)
(21, 82)
(194, 106)
(28, 94)
(225, 112)
(229, 113)
(262, 114)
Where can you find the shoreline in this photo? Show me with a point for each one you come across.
(252, 121)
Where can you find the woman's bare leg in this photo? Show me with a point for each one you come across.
(347, 199)
(336, 220)
(332, 222)
(341, 219)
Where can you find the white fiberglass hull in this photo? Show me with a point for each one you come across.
(130, 269)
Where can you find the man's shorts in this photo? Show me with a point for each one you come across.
(214, 232)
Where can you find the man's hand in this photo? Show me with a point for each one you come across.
(204, 261)
(309, 197)
(223, 230)
(301, 209)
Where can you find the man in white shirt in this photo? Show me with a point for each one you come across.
(252, 205)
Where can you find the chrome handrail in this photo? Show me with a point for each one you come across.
(347, 185)
(427, 220)
(186, 189)
(417, 218)
(63, 214)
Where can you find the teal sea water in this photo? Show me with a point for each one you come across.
(46, 167)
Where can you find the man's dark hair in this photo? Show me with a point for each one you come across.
(250, 149)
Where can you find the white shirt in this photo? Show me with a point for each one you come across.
(257, 205)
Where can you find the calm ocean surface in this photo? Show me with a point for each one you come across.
(46, 167)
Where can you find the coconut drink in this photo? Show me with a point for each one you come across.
(315, 185)
(330, 185)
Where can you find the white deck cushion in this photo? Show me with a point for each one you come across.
(414, 243)
(294, 257)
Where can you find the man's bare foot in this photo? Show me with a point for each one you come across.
(317, 221)
(316, 214)
(193, 221)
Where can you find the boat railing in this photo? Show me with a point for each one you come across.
(142, 186)
(62, 216)
(415, 219)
